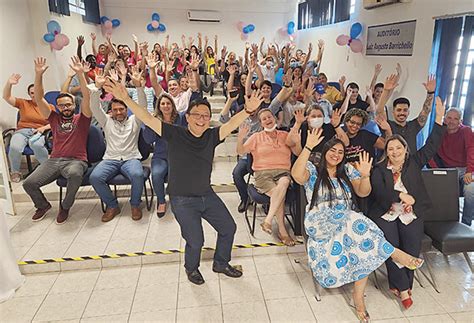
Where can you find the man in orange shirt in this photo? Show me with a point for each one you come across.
(29, 130)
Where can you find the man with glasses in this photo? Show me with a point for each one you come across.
(69, 155)
(190, 155)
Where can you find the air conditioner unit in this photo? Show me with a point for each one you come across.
(204, 16)
(370, 4)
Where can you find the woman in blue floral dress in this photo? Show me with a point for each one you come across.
(343, 245)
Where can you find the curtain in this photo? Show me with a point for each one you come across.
(342, 11)
(59, 6)
(468, 49)
(315, 13)
(91, 8)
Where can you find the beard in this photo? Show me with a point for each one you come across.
(67, 114)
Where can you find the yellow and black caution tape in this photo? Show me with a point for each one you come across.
(144, 253)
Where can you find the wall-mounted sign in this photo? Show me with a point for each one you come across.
(395, 39)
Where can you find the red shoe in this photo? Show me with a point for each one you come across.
(407, 303)
(396, 292)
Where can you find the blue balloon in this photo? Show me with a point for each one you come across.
(356, 29)
(290, 30)
(155, 16)
(245, 30)
(162, 28)
(103, 19)
(149, 27)
(251, 27)
(53, 26)
(291, 24)
(49, 38)
(115, 22)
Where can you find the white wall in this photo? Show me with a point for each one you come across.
(359, 68)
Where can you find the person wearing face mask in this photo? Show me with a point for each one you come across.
(343, 245)
(315, 120)
(271, 164)
(121, 154)
(69, 155)
(269, 68)
(400, 201)
(313, 95)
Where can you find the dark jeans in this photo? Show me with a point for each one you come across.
(406, 238)
(189, 210)
(238, 174)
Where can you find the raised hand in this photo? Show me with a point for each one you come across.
(152, 60)
(253, 103)
(111, 56)
(288, 77)
(99, 78)
(342, 80)
(80, 40)
(244, 129)
(320, 44)
(123, 70)
(254, 49)
(191, 39)
(232, 69)
(136, 76)
(299, 116)
(76, 64)
(364, 165)
(206, 39)
(114, 75)
(14, 79)
(135, 38)
(430, 84)
(223, 52)
(310, 48)
(336, 118)
(40, 65)
(117, 89)
(382, 122)
(378, 69)
(314, 138)
(195, 60)
(93, 36)
(199, 36)
(391, 82)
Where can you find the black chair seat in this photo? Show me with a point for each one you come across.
(450, 237)
(256, 196)
(123, 180)
(426, 244)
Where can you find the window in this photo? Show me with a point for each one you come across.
(77, 6)
(353, 7)
(315, 13)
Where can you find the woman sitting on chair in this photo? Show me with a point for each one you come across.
(343, 245)
(400, 201)
(271, 165)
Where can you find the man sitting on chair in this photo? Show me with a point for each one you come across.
(69, 155)
(29, 129)
(122, 154)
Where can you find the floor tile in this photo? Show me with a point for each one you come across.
(37, 285)
(306, 281)
(332, 308)
(245, 312)
(122, 277)
(204, 314)
(20, 309)
(290, 310)
(243, 289)
(120, 318)
(154, 316)
(205, 268)
(75, 281)
(155, 297)
(62, 307)
(381, 306)
(191, 295)
(423, 304)
(110, 302)
(273, 264)
(438, 318)
(159, 274)
(464, 317)
(281, 286)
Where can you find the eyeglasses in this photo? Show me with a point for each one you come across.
(359, 124)
(197, 116)
(67, 105)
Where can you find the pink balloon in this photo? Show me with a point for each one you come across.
(155, 24)
(108, 24)
(283, 31)
(62, 39)
(342, 40)
(240, 25)
(356, 46)
(56, 44)
(244, 36)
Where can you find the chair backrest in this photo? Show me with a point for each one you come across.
(276, 88)
(302, 202)
(95, 145)
(443, 190)
(336, 85)
(51, 97)
(144, 148)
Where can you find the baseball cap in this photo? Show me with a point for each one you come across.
(318, 87)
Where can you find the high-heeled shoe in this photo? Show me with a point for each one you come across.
(396, 292)
(407, 303)
(415, 263)
(363, 317)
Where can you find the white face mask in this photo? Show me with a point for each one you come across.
(270, 129)
(316, 123)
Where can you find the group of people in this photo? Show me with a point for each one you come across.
(361, 171)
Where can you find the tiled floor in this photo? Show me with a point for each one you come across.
(273, 288)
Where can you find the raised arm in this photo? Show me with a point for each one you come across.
(430, 87)
(262, 41)
(223, 55)
(183, 41)
(80, 42)
(251, 105)
(66, 87)
(299, 172)
(377, 70)
(94, 45)
(243, 132)
(81, 69)
(345, 103)
(7, 90)
(200, 42)
(319, 57)
(195, 60)
(152, 61)
(336, 124)
(362, 186)
(215, 46)
(248, 81)
(390, 84)
(232, 69)
(308, 55)
(40, 68)
(99, 114)
(225, 112)
(293, 140)
(120, 92)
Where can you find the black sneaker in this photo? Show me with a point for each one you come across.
(228, 271)
(243, 206)
(195, 277)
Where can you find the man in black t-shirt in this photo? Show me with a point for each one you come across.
(190, 157)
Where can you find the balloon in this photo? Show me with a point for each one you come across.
(342, 40)
(356, 29)
(356, 46)
(56, 45)
(62, 39)
(162, 28)
(245, 30)
(48, 38)
(250, 28)
(115, 22)
(244, 36)
(283, 31)
(149, 27)
(155, 24)
(291, 24)
(155, 16)
(240, 25)
(108, 24)
(290, 30)
(103, 19)
(53, 26)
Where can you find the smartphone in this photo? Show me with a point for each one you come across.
(234, 93)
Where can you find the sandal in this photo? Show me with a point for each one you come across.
(415, 263)
(396, 292)
(161, 210)
(266, 227)
(363, 316)
(287, 240)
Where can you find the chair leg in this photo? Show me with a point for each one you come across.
(148, 202)
(317, 289)
(376, 280)
(102, 205)
(469, 262)
(430, 279)
(60, 195)
(417, 277)
(28, 162)
(252, 231)
(247, 218)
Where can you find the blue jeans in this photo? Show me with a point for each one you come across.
(159, 170)
(238, 174)
(468, 192)
(108, 169)
(189, 210)
(20, 139)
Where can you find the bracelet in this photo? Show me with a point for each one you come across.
(432, 92)
(247, 111)
(195, 70)
(310, 150)
(286, 85)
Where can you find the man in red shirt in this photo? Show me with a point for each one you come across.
(69, 155)
(457, 150)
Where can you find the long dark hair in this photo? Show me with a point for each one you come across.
(325, 181)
